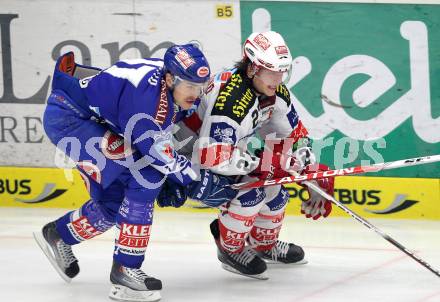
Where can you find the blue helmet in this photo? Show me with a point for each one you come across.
(187, 62)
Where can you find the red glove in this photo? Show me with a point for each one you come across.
(273, 164)
(317, 206)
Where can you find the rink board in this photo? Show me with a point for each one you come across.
(376, 197)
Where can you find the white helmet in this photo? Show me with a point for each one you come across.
(268, 50)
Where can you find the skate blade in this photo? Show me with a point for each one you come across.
(262, 276)
(301, 262)
(123, 293)
(44, 246)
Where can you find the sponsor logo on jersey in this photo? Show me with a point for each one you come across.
(223, 133)
(224, 76)
(235, 99)
(162, 106)
(113, 146)
(262, 41)
(202, 71)
(178, 164)
(170, 161)
(226, 92)
(240, 105)
(184, 59)
(168, 151)
(90, 170)
(299, 132)
(292, 117)
(283, 93)
(81, 229)
(162, 149)
(215, 154)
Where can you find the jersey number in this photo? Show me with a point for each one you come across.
(254, 118)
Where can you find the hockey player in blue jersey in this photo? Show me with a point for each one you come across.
(116, 125)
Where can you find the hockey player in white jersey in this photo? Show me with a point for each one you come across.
(242, 104)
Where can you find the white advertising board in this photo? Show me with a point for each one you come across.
(35, 33)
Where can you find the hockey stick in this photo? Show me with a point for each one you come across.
(370, 226)
(338, 172)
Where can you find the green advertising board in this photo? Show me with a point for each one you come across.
(366, 77)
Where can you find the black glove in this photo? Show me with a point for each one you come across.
(212, 189)
(171, 195)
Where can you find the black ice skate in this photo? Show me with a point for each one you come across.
(245, 263)
(131, 284)
(59, 253)
(283, 252)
